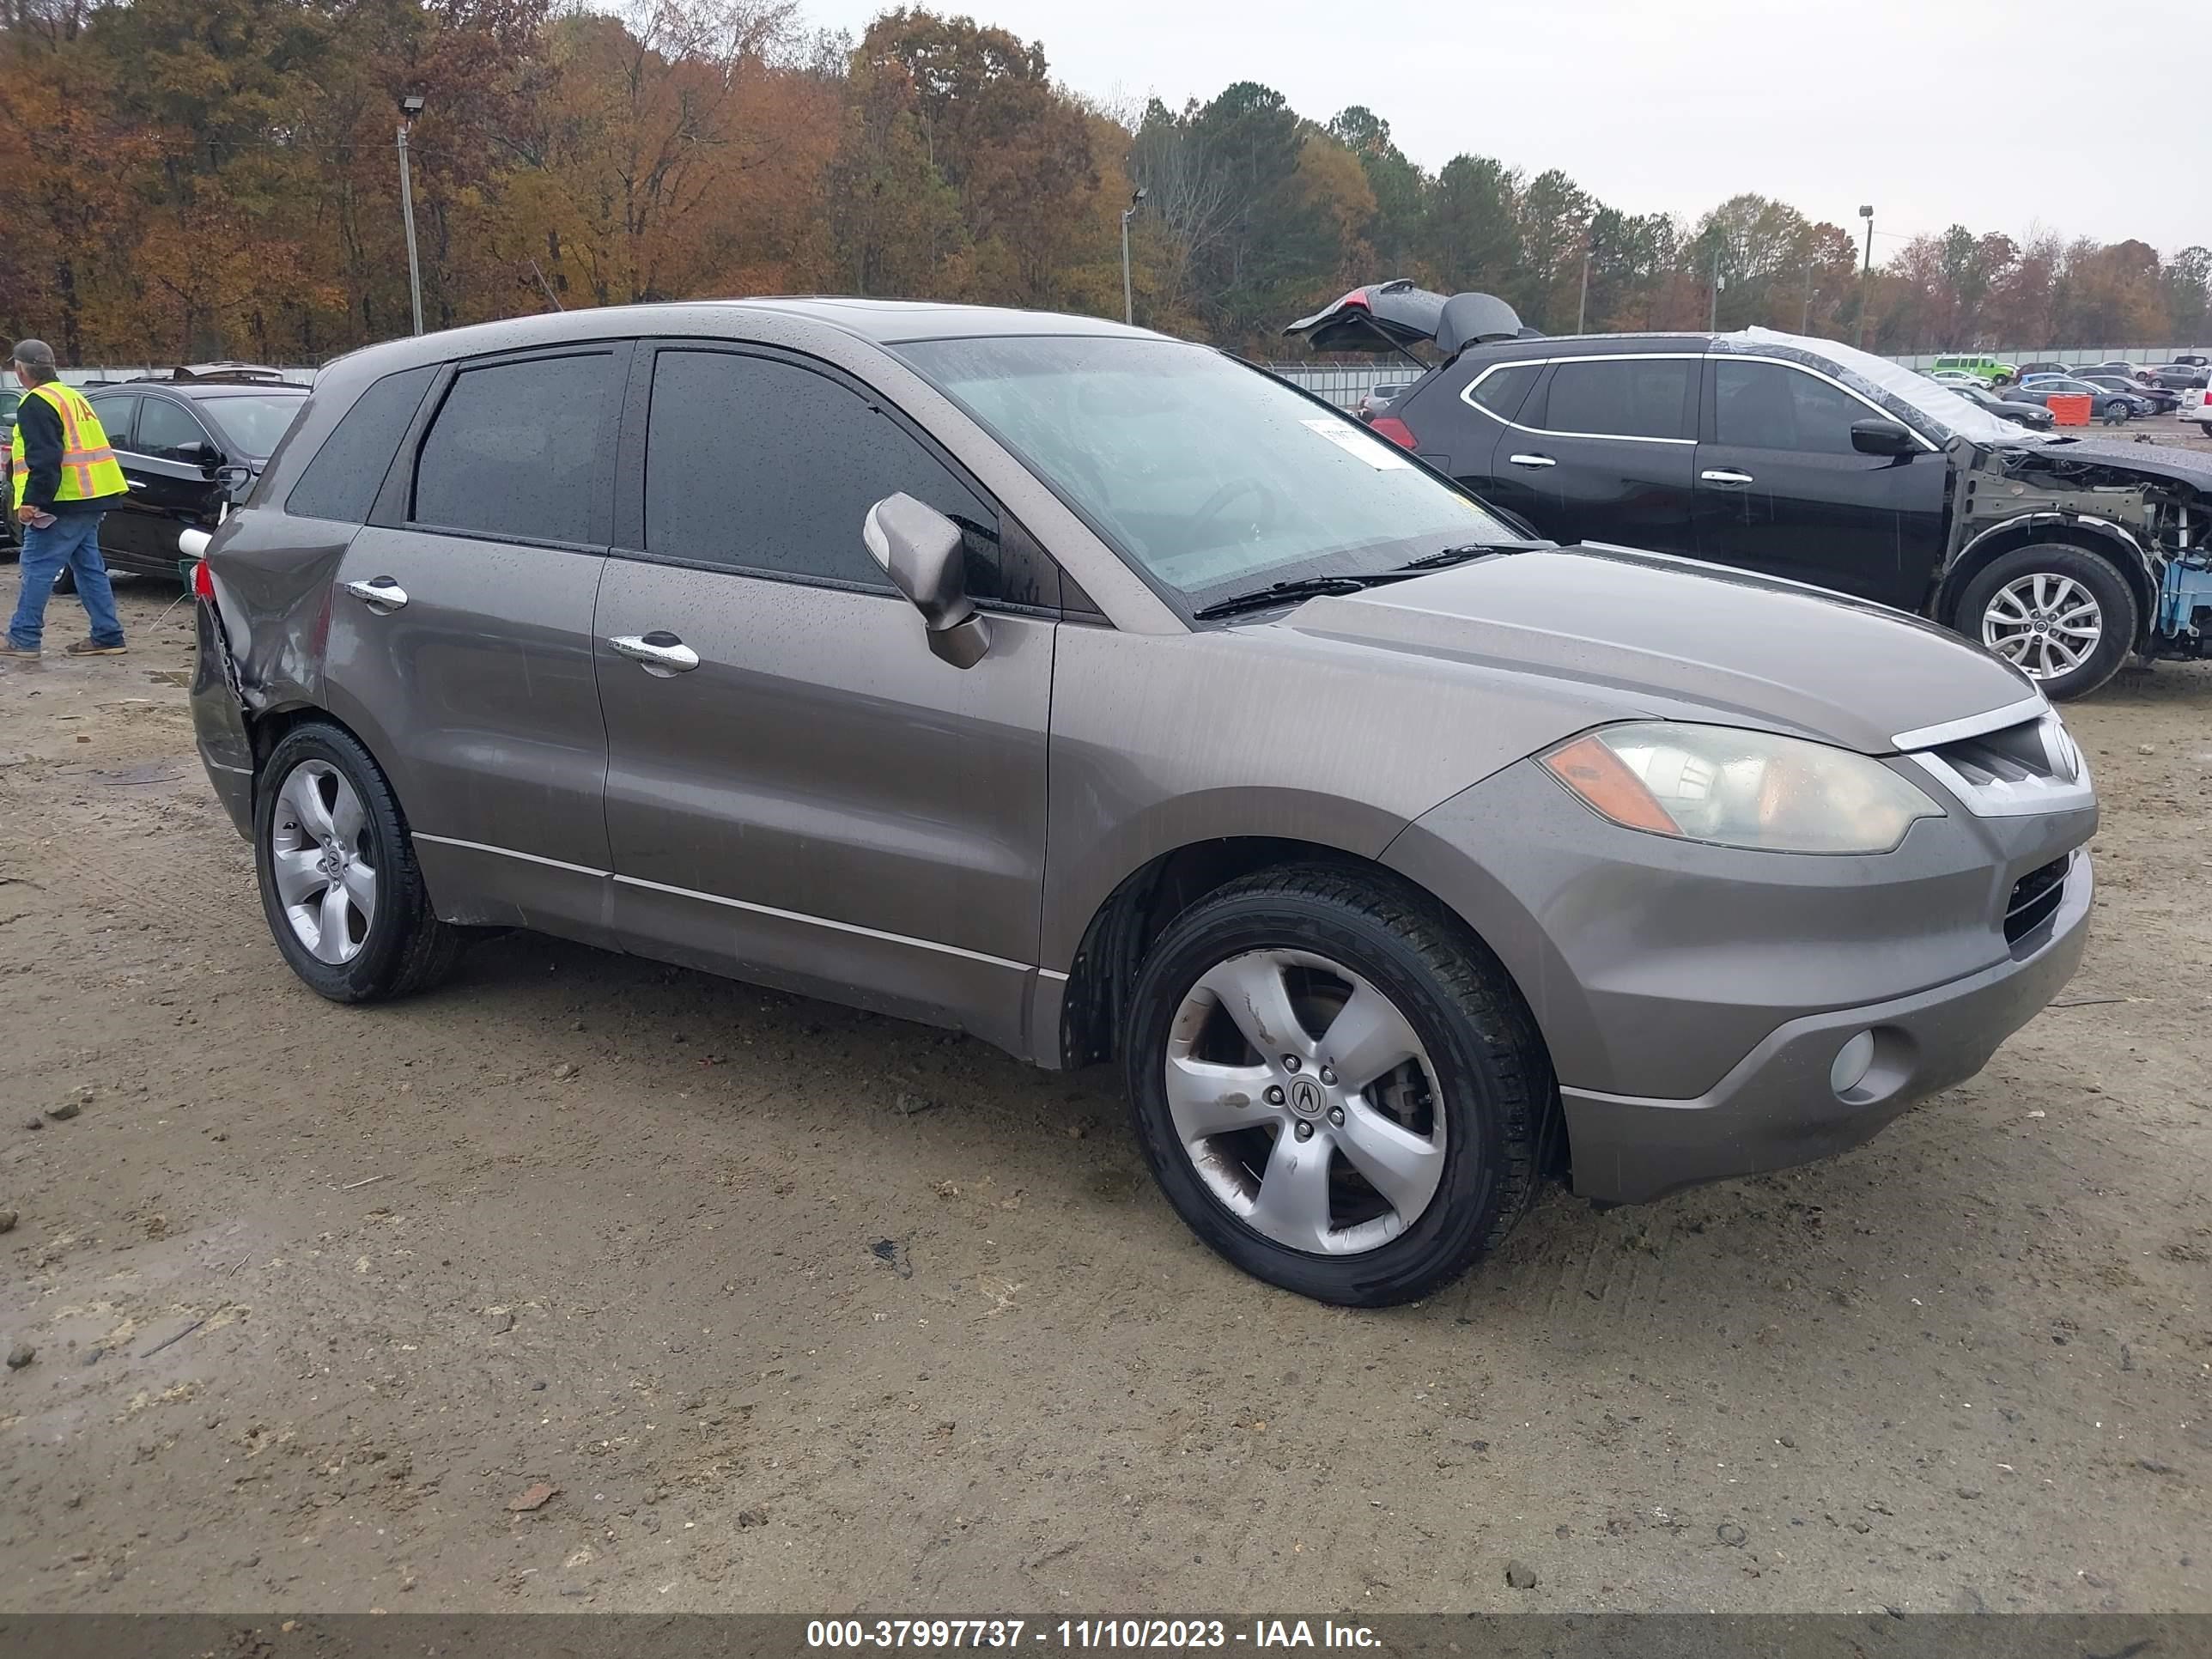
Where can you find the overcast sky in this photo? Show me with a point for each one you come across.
(1918, 107)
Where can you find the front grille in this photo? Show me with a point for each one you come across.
(2034, 899)
(2015, 754)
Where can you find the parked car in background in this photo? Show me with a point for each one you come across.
(2180, 376)
(2160, 400)
(1981, 366)
(191, 448)
(1377, 398)
(1806, 458)
(2135, 373)
(2193, 359)
(2029, 371)
(926, 739)
(2107, 405)
(2196, 405)
(2034, 416)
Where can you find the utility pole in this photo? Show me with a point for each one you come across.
(1806, 326)
(1581, 306)
(1865, 277)
(410, 107)
(1713, 322)
(1128, 299)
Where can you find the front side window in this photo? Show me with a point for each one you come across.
(1621, 397)
(761, 464)
(116, 414)
(167, 432)
(1768, 406)
(514, 451)
(1214, 478)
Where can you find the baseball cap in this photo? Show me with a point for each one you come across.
(34, 353)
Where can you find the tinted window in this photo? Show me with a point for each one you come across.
(169, 432)
(1503, 392)
(340, 482)
(1621, 397)
(1766, 406)
(116, 414)
(515, 451)
(765, 465)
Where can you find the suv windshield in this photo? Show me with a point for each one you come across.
(253, 424)
(1216, 479)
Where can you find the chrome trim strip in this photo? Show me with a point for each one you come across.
(825, 921)
(1051, 974)
(507, 853)
(2032, 799)
(1974, 726)
(742, 904)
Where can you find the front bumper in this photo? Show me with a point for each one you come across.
(1776, 1107)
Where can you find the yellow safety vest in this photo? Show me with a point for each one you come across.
(89, 468)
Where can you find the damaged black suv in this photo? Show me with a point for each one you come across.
(1808, 459)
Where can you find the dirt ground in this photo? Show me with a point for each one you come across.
(319, 1297)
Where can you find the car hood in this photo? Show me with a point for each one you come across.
(2152, 460)
(1675, 638)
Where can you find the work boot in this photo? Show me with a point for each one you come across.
(94, 648)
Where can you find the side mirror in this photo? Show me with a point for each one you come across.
(208, 455)
(920, 549)
(1882, 438)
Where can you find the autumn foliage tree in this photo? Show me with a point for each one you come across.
(183, 179)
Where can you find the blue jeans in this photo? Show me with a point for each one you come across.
(73, 539)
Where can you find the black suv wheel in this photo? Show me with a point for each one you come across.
(2061, 613)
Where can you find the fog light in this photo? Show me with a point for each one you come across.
(1853, 1062)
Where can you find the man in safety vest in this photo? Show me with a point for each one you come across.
(64, 477)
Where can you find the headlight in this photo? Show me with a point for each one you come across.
(1714, 783)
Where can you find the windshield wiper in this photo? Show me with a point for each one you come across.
(1450, 556)
(1305, 587)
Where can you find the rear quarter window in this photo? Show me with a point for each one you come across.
(1504, 390)
(342, 481)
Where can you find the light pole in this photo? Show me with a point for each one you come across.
(1128, 299)
(1866, 275)
(410, 106)
(1581, 306)
(1713, 321)
(1806, 326)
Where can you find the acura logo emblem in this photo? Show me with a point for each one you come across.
(1305, 1098)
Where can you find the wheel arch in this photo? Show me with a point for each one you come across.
(1132, 918)
(2108, 540)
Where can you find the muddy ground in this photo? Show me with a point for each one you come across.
(318, 1295)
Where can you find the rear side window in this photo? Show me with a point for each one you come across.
(1621, 397)
(1502, 390)
(340, 482)
(760, 465)
(514, 451)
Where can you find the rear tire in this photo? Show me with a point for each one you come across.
(1999, 607)
(1470, 1112)
(395, 946)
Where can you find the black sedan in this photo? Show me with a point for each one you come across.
(2034, 416)
(190, 449)
(2161, 401)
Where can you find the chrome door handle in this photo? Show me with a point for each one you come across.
(1727, 475)
(1532, 460)
(660, 654)
(379, 593)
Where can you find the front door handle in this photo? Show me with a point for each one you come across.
(379, 593)
(1532, 460)
(660, 654)
(1726, 476)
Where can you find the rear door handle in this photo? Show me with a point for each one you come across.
(1726, 476)
(660, 654)
(1532, 460)
(379, 593)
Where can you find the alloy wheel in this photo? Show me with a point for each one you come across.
(318, 851)
(1305, 1102)
(2045, 624)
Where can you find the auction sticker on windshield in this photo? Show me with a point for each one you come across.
(1351, 440)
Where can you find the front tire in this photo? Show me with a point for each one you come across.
(339, 886)
(1336, 1086)
(2062, 614)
